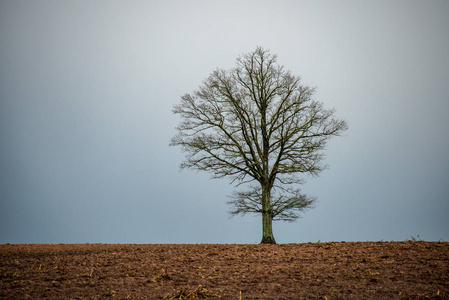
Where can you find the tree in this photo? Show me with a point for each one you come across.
(257, 123)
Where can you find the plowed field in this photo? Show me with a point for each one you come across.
(352, 270)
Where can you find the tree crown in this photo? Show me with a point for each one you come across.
(256, 122)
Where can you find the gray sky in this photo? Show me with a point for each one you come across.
(86, 96)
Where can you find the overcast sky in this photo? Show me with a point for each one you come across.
(86, 96)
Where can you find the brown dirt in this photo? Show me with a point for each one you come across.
(362, 270)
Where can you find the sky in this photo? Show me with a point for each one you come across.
(87, 90)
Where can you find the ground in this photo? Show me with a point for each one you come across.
(337, 270)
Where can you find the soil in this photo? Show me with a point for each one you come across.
(352, 270)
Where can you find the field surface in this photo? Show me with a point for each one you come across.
(361, 270)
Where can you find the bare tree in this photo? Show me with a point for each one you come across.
(257, 123)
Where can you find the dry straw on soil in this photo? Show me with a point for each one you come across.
(198, 293)
(163, 276)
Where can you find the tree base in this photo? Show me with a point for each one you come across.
(268, 240)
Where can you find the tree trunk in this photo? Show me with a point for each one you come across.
(267, 217)
(267, 235)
